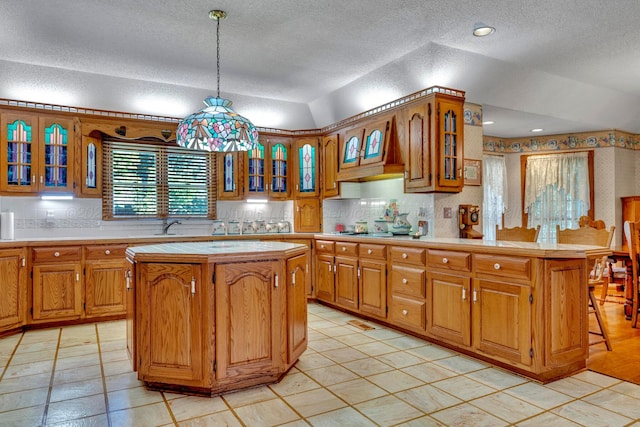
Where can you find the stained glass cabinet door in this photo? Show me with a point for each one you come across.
(56, 154)
(230, 185)
(374, 142)
(450, 150)
(306, 176)
(19, 152)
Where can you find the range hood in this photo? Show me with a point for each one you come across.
(371, 151)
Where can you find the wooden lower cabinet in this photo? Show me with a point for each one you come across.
(373, 287)
(346, 281)
(449, 313)
(298, 277)
(105, 280)
(130, 322)
(13, 295)
(170, 324)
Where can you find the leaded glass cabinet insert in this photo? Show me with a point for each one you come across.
(19, 154)
(451, 146)
(256, 170)
(55, 156)
(279, 169)
(307, 178)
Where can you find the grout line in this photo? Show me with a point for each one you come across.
(104, 381)
(53, 372)
(13, 352)
(166, 404)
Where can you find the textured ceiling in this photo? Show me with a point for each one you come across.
(561, 65)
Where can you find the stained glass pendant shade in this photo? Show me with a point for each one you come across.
(217, 127)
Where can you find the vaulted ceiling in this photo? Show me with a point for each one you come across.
(563, 66)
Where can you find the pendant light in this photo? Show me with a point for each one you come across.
(217, 127)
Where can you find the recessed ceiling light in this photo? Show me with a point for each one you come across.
(482, 30)
(488, 122)
(537, 130)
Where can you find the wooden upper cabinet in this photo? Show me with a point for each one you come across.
(230, 178)
(38, 153)
(307, 216)
(329, 175)
(375, 141)
(433, 129)
(267, 172)
(307, 168)
(91, 167)
(351, 147)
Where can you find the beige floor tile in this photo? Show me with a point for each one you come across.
(267, 413)
(341, 417)
(431, 352)
(357, 391)
(294, 383)
(11, 385)
(43, 355)
(82, 407)
(405, 342)
(187, 407)
(342, 355)
(464, 388)
(314, 402)
(94, 421)
(219, 419)
(547, 419)
(367, 367)
(428, 372)
(73, 375)
(326, 344)
(629, 389)
(336, 331)
(8, 344)
(38, 336)
(23, 399)
(381, 333)
(506, 407)
(296, 423)
(573, 387)
(122, 381)
(75, 362)
(395, 381)
(497, 378)
(77, 341)
(321, 324)
(329, 375)
(310, 361)
(539, 395)
(113, 345)
(428, 399)
(590, 415)
(132, 397)
(76, 389)
(31, 416)
(461, 364)
(79, 350)
(400, 359)
(467, 415)
(425, 421)
(115, 356)
(142, 416)
(388, 410)
(375, 348)
(596, 378)
(355, 339)
(117, 367)
(22, 370)
(110, 331)
(249, 396)
(616, 402)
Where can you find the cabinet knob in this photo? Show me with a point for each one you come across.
(496, 266)
(405, 281)
(56, 254)
(405, 312)
(445, 260)
(321, 246)
(344, 249)
(107, 252)
(405, 256)
(369, 251)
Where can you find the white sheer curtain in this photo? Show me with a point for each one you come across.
(556, 192)
(494, 201)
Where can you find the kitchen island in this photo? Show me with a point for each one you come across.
(211, 317)
(521, 306)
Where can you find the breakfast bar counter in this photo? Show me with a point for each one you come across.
(210, 317)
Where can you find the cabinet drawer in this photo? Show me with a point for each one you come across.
(407, 312)
(325, 247)
(61, 253)
(415, 256)
(505, 266)
(373, 251)
(460, 261)
(105, 251)
(408, 281)
(344, 248)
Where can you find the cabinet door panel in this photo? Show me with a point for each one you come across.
(325, 288)
(57, 292)
(19, 158)
(105, 288)
(296, 307)
(502, 320)
(308, 216)
(373, 288)
(12, 297)
(449, 311)
(347, 282)
(330, 166)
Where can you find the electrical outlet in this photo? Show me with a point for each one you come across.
(447, 213)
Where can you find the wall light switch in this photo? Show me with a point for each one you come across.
(447, 213)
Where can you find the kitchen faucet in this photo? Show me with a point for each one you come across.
(166, 224)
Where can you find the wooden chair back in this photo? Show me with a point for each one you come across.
(518, 234)
(632, 233)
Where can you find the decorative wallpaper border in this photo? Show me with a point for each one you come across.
(472, 114)
(562, 142)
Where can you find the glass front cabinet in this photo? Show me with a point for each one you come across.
(306, 176)
(37, 154)
(267, 171)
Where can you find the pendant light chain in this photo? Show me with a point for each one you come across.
(218, 55)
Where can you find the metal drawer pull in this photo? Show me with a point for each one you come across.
(128, 276)
(77, 277)
(464, 294)
(496, 266)
(107, 252)
(293, 278)
(193, 286)
(276, 280)
(475, 296)
(405, 281)
(56, 254)
(369, 251)
(445, 260)
(405, 312)
(405, 256)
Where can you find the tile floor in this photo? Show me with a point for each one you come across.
(80, 376)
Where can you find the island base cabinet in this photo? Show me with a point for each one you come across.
(170, 324)
(249, 323)
(298, 277)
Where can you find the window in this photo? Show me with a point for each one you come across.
(494, 201)
(557, 191)
(155, 181)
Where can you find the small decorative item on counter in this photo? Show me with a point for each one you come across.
(340, 228)
(362, 227)
(284, 227)
(272, 227)
(400, 224)
(380, 225)
(259, 226)
(234, 227)
(391, 210)
(351, 228)
(247, 227)
(219, 228)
